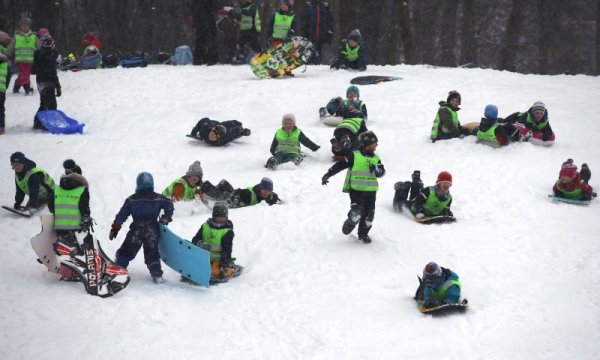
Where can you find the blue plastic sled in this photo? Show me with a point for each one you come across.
(184, 257)
(570, 201)
(57, 122)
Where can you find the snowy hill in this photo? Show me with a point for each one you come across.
(530, 267)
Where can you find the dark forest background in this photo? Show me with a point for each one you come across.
(526, 36)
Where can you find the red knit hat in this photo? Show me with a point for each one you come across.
(569, 170)
(444, 176)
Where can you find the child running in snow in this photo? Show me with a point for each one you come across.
(573, 184)
(144, 207)
(364, 168)
(286, 143)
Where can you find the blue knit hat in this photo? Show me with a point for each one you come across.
(266, 184)
(491, 112)
(144, 181)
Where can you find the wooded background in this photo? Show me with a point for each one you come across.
(526, 36)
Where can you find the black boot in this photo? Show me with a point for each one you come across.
(28, 89)
(246, 132)
(16, 89)
(271, 163)
(364, 238)
(348, 226)
(401, 194)
(585, 173)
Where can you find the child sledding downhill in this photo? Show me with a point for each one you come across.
(217, 133)
(253, 195)
(216, 235)
(352, 96)
(144, 207)
(345, 135)
(573, 184)
(364, 168)
(285, 146)
(438, 287)
(428, 205)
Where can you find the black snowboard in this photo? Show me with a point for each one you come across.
(373, 79)
(18, 212)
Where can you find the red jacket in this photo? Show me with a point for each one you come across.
(577, 183)
(91, 39)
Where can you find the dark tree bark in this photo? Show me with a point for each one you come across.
(598, 37)
(405, 29)
(448, 35)
(205, 51)
(513, 34)
(468, 30)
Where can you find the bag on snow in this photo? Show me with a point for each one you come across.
(183, 55)
(137, 59)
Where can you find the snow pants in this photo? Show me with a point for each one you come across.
(2, 101)
(146, 234)
(362, 210)
(23, 79)
(47, 102)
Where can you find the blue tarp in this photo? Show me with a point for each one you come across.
(57, 122)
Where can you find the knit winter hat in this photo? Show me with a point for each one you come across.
(569, 170)
(26, 21)
(266, 184)
(452, 95)
(432, 274)
(353, 89)
(195, 170)
(220, 209)
(367, 138)
(18, 157)
(538, 106)
(491, 112)
(444, 176)
(220, 130)
(144, 181)
(288, 116)
(355, 35)
(71, 167)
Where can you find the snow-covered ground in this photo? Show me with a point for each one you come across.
(529, 267)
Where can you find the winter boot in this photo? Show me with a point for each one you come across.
(28, 89)
(158, 279)
(401, 194)
(225, 189)
(271, 163)
(364, 238)
(16, 89)
(246, 132)
(298, 159)
(585, 173)
(348, 226)
(322, 112)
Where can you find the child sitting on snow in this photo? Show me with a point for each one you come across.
(573, 184)
(491, 132)
(534, 120)
(286, 143)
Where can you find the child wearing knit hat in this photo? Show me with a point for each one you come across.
(285, 146)
(187, 187)
(535, 123)
(573, 184)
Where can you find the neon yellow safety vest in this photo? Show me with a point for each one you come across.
(24, 47)
(488, 137)
(189, 192)
(3, 69)
(282, 25)
(440, 293)
(350, 53)
(537, 125)
(253, 198)
(352, 124)
(66, 208)
(574, 194)
(246, 21)
(433, 205)
(288, 143)
(360, 177)
(22, 183)
(436, 122)
(213, 237)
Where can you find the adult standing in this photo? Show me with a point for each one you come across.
(317, 26)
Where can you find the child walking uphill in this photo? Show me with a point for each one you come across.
(286, 143)
(364, 167)
(144, 207)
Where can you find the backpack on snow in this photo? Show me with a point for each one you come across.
(111, 60)
(137, 59)
(183, 55)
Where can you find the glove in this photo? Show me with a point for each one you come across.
(86, 224)
(317, 148)
(165, 219)
(58, 91)
(325, 179)
(114, 231)
(420, 216)
(238, 131)
(273, 199)
(204, 245)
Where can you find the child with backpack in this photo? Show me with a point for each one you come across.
(285, 146)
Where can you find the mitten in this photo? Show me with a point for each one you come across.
(165, 219)
(114, 231)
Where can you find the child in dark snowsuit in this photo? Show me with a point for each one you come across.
(364, 167)
(44, 69)
(144, 207)
(218, 133)
(573, 184)
(491, 132)
(32, 181)
(345, 135)
(351, 53)
(425, 202)
(286, 143)
(253, 195)
(216, 235)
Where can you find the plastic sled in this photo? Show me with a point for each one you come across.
(57, 122)
(373, 79)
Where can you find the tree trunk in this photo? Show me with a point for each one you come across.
(406, 33)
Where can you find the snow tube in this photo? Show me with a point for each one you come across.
(57, 122)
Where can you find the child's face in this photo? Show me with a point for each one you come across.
(371, 147)
(17, 167)
(212, 136)
(194, 180)
(352, 43)
(288, 125)
(454, 102)
(265, 193)
(444, 187)
(220, 219)
(538, 115)
(352, 96)
(25, 28)
(566, 179)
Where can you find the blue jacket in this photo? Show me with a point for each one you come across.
(453, 292)
(144, 205)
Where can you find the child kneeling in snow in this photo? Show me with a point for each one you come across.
(573, 184)
(286, 143)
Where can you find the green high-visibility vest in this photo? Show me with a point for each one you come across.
(440, 293)
(436, 122)
(66, 208)
(246, 21)
(22, 183)
(213, 237)
(24, 47)
(353, 124)
(536, 125)
(489, 136)
(282, 25)
(288, 143)
(574, 194)
(351, 54)
(360, 177)
(433, 205)
(253, 198)
(188, 194)
(3, 69)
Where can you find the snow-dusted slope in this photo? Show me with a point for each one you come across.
(529, 267)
